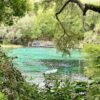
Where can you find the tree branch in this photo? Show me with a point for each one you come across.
(62, 8)
(91, 7)
(65, 4)
(83, 7)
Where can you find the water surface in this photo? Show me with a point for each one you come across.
(33, 62)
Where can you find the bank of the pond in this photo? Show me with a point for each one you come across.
(10, 46)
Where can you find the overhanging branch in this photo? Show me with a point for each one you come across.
(65, 4)
(83, 7)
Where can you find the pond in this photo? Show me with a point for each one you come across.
(33, 62)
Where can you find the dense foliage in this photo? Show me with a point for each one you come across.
(93, 60)
(92, 49)
(12, 83)
(11, 9)
(72, 30)
(44, 24)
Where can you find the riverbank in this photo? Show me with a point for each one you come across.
(10, 46)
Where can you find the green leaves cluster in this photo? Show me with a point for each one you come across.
(72, 31)
(44, 24)
(2, 96)
(92, 60)
(92, 50)
(12, 83)
(11, 9)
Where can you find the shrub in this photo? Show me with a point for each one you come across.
(92, 61)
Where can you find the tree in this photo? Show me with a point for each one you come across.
(44, 24)
(82, 4)
(71, 23)
(10, 10)
(84, 7)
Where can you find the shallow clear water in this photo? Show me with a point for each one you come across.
(35, 61)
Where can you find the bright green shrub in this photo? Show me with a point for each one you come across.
(92, 61)
(92, 70)
(3, 97)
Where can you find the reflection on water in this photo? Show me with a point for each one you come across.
(33, 62)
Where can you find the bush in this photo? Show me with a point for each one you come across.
(94, 91)
(12, 83)
(92, 61)
(2, 96)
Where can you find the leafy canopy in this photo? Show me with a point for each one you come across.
(10, 9)
(44, 24)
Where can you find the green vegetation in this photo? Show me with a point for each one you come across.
(11, 9)
(44, 24)
(93, 60)
(2, 96)
(12, 83)
(92, 49)
(22, 21)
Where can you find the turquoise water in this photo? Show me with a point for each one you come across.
(36, 61)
